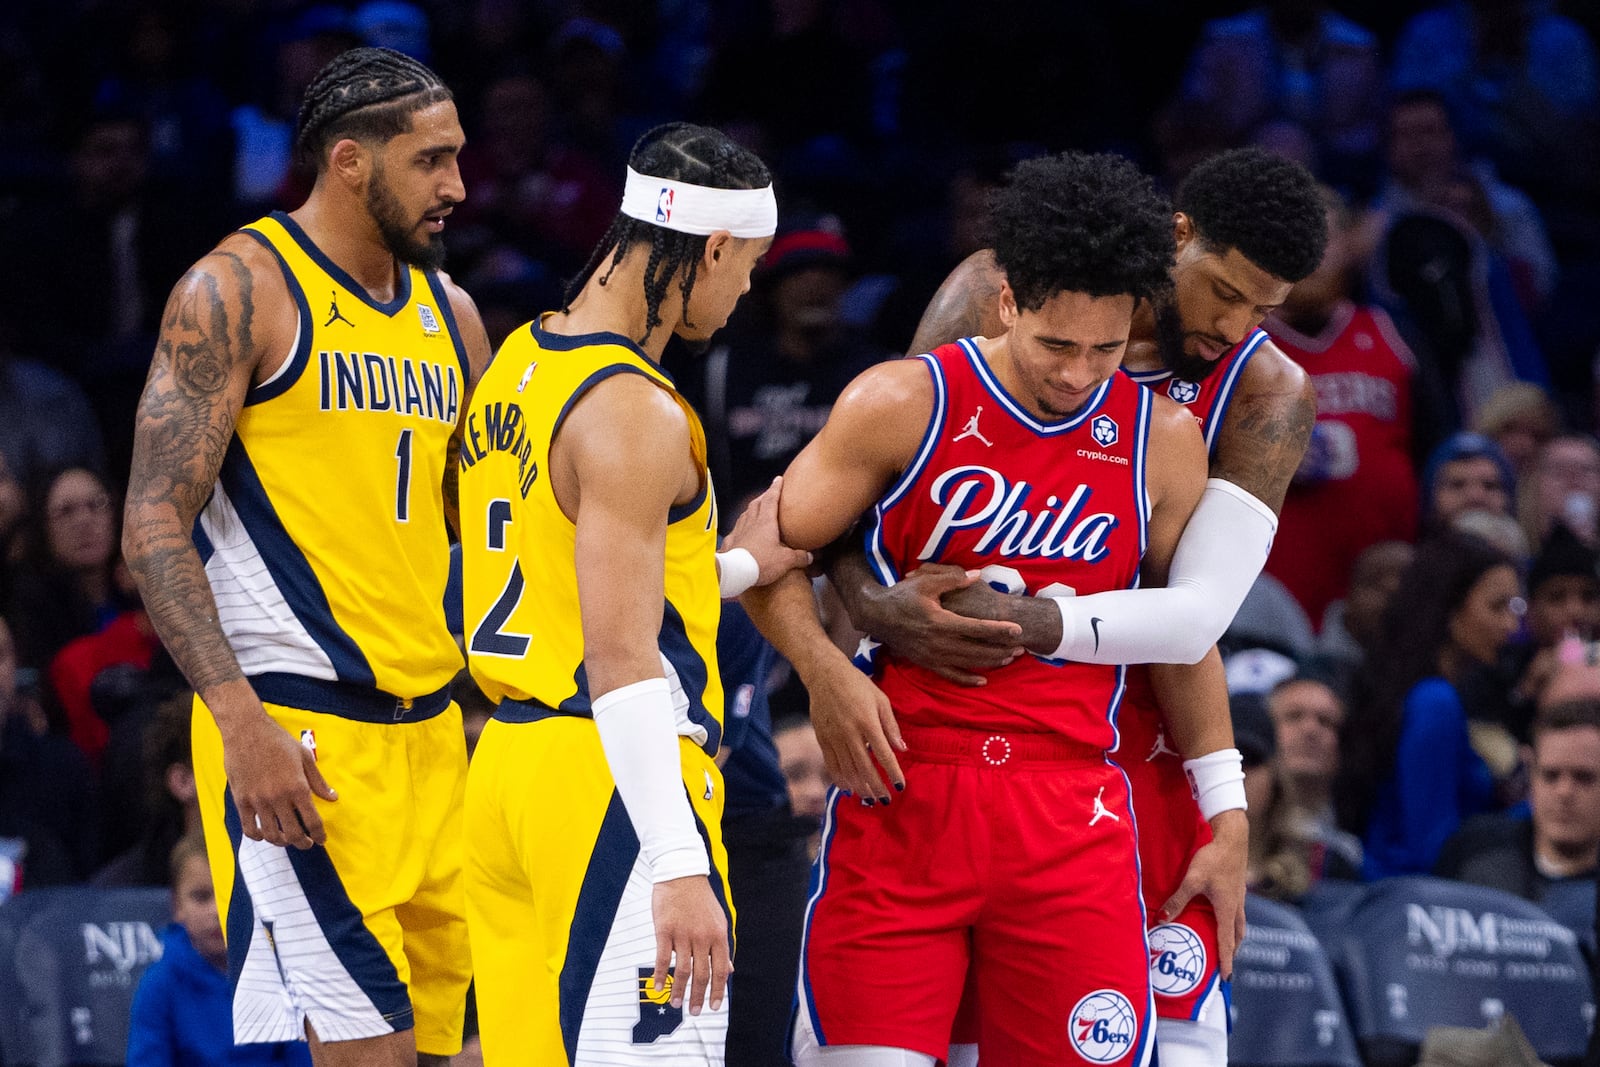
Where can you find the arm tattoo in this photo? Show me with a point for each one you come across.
(966, 305)
(1263, 442)
(185, 422)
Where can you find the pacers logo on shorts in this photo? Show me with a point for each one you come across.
(1102, 1026)
(1177, 959)
(657, 1016)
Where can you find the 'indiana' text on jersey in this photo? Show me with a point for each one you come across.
(518, 547)
(324, 539)
(1039, 509)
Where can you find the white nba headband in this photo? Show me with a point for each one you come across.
(699, 209)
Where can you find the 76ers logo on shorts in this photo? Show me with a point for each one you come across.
(1102, 1026)
(1177, 959)
(1183, 392)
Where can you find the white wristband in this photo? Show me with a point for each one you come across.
(641, 747)
(737, 570)
(1217, 782)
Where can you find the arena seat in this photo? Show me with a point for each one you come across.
(1286, 1008)
(1420, 952)
(70, 960)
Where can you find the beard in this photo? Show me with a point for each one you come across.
(400, 233)
(1170, 338)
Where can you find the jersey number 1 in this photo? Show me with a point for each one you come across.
(402, 492)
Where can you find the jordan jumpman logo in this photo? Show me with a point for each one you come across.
(972, 430)
(1101, 811)
(335, 315)
(1160, 747)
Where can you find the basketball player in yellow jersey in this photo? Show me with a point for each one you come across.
(592, 593)
(286, 524)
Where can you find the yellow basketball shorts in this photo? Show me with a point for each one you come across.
(559, 904)
(366, 935)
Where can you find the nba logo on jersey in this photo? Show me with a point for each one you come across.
(1102, 1026)
(1177, 959)
(430, 321)
(1104, 428)
(664, 205)
(657, 1016)
(1183, 392)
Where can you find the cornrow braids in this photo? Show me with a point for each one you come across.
(682, 152)
(365, 93)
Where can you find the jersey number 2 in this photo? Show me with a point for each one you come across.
(488, 639)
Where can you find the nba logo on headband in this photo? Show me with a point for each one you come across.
(699, 209)
(664, 204)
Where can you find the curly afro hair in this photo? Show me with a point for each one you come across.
(1266, 206)
(1081, 223)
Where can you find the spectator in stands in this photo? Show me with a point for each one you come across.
(1298, 60)
(1521, 79)
(47, 793)
(1307, 716)
(1409, 773)
(46, 422)
(1350, 627)
(181, 1015)
(800, 757)
(1424, 156)
(128, 640)
(1467, 472)
(770, 379)
(1550, 854)
(1520, 418)
(1356, 485)
(1563, 484)
(1563, 605)
(170, 805)
(13, 508)
(64, 584)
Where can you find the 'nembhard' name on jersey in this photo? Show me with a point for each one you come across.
(370, 381)
(503, 429)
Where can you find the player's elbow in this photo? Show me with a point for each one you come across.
(1206, 625)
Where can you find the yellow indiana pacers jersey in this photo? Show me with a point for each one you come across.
(519, 578)
(324, 539)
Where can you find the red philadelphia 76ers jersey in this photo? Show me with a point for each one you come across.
(1041, 509)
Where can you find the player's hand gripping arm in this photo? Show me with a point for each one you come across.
(871, 434)
(753, 553)
(1194, 698)
(212, 338)
(625, 447)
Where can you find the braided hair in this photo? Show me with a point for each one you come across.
(682, 152)
(366, 94)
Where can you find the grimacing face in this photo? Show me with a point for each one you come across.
(1057, 356)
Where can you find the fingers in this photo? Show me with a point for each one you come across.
(249, 821)
(700, 979)
(934, 580)
(956, 675)
(1179, 900)
(319, 785)
(721, 967)
(891, 725)
(995, 632)
(889, 730)
(1227, 942)
(663, 962)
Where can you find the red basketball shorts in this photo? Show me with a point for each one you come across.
(1183, 952)
(1009, 857)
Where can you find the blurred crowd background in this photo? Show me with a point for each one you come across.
(1453, 334)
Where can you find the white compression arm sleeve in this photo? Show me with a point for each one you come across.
(641, 747)
(1216, 561)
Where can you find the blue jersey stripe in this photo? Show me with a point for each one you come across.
(692, 674)
(819, 886)
(440, 297)
(1219, 406)
(877, 557)
(616, 847)
(287, 565)
(301, 355)
(992, 385)
(402, 295)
